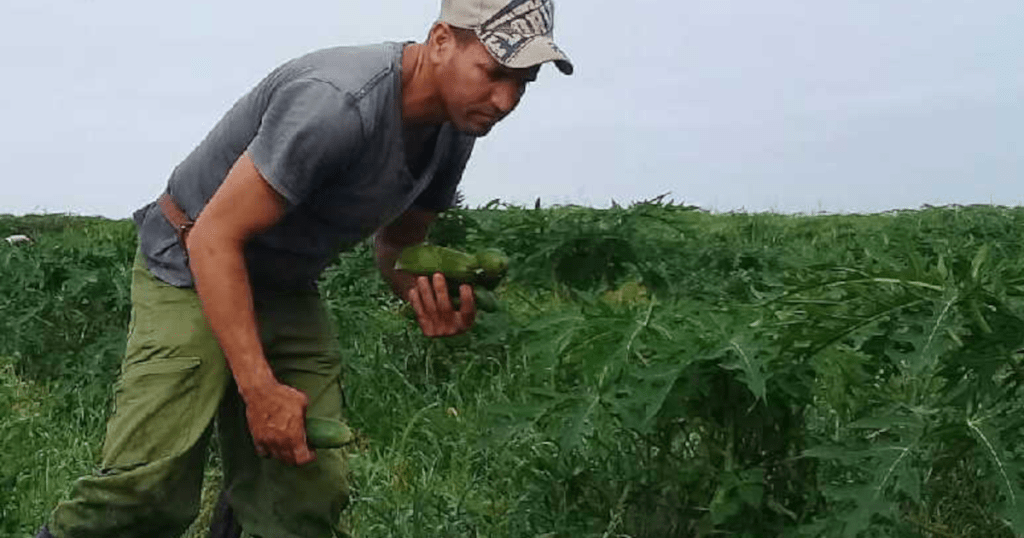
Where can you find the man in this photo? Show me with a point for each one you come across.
(327, 150)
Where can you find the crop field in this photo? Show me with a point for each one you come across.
(653, 371)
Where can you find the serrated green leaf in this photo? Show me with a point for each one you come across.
(640, 395)
(867, 508)
(908, 480)
(979, 259)
(892, 460)
(941, 268)
(1006, 471)
(577, 421)
(749, 363)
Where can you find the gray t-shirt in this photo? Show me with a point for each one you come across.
(325, 131)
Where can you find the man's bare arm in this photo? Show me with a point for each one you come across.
(243, 206)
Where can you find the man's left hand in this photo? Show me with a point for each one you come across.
(434, 311)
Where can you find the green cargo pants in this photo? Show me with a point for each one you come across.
(173, 382)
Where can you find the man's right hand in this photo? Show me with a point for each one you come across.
(276, 415)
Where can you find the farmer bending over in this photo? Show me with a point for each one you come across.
(226, 321)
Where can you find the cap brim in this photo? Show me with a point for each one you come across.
(539, 50)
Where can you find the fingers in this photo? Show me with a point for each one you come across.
(424, 316)
(467, 310)
(430, 305)
(300, 451)
(302, 455)
(292, 453)
(444, 302)
(433, 306)
(294, 450)
(278, 426)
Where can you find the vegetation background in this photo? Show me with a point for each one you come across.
(655, 371)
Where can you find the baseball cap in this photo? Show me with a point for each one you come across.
(517, 33)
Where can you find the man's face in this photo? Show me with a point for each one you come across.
(477, 90)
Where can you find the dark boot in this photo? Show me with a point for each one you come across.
(44, 533)
(223, 524)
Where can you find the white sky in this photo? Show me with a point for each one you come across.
(788, 106)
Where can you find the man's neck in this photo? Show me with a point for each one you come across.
(421, 104)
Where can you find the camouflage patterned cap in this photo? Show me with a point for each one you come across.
(517, 33)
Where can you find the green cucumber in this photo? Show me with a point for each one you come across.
(483, 270)
(327, 433)
(493, 266)
(485, 300)
(430, 259)
(493, 262)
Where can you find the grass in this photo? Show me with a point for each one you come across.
(528, 426)
(50, 436)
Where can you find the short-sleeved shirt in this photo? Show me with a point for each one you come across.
(325, 131)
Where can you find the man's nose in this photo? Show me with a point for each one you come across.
(506, 96)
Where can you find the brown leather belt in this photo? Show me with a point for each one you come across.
(178, 218)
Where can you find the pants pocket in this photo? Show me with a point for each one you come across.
(155, 413)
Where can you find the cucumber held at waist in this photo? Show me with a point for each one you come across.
(327, 433)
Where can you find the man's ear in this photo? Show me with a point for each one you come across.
(441, 43)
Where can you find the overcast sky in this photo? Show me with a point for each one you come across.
(787, 106)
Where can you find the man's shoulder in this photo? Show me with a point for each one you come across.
(353, 70)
